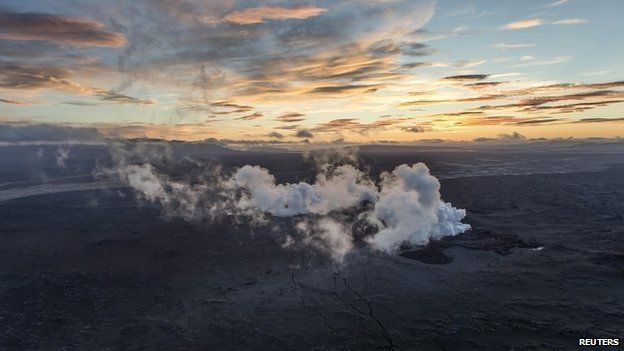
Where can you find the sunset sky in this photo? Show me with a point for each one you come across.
(358, 70)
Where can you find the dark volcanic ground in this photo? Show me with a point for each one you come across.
(92, 269)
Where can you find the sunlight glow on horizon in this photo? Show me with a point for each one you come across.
(319, 71)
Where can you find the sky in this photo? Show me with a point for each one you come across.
(315, 71)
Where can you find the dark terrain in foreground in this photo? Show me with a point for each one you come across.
(96, 270)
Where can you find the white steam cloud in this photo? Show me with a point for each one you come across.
(342, 188)
(328, 235)
(192, 200)
(405, 206)
(409, 209)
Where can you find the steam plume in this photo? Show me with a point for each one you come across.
(409, 209)
(406, 206)
(342, 188)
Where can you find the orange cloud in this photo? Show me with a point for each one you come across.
(260, 14)
(523, 24)
(291, 117)
(58, 29)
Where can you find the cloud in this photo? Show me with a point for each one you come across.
(14, 76)
(557, 3)
(304, 133)
(505, 46)
(291, 117)
(512, 137)
(227, 107)
(251, 117)
(123, 99)
(346, 89)
(337, 125)
(404, 208)
(409, 209)
(25, 132)
(289, 127)
(429, 35)
(537, 103)
(488, 121)
(565, 86)
(261, 14)
(387, 46)
(12, 102)
(506, 120)
(570, 108)
(190, 201)
(268, 59)
(465, 77)
(329, 235)
(569, 22)
(482, 85)
(416, 129)
(455, 114)
(530, 23)
(354, 125)
(533, 100)
(469, 63)
(537, 121)
(553, 61)
(600, 120)
(194, 52)
(17, 77)
(333, 156)
(486, 97)
(57, 29)
(524, 24)
(342, 188)
(276, 135)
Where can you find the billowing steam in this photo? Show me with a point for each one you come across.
(342, 188)
(191, 200)
(409, 209)
(404, 207)
(327, 235)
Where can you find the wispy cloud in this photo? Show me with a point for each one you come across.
(506, 120)
(355, 125)
(505, 46)
(251, 117)
(466, 77)
(58, 29)
(276, 135)
(569, 22)
(12, 102)
(529, 23)
(556, 3)
(291, 117)
(553, 61)
(260, 14)
(123, 99)
(600, 120)
(419, 128)
(32, 78)
(535, 22)
(304, 133)
(243, 69)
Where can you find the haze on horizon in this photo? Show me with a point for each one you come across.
(315, 71)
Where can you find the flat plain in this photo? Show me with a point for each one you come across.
(84, 264)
